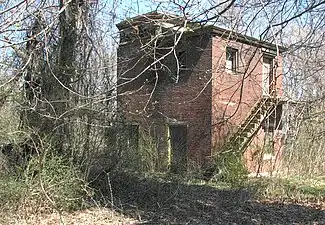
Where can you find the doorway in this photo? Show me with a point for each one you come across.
(178, 147)
(267, 76)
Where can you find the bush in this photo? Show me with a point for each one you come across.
(231, 168)
(54, 183)
(43, 186)
(12, 192)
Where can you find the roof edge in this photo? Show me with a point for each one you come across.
(222, 32)
(147, 16)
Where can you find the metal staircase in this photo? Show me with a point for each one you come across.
(238, 141)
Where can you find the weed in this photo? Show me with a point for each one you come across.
(55, 183)
(231, 168)
(52, 184)
(12, 192)
(292, 188)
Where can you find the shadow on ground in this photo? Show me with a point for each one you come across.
(153, 201)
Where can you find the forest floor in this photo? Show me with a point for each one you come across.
(156, 200)
(95, 215)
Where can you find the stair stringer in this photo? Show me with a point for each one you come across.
(239, 141)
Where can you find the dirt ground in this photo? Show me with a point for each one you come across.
(152, 201)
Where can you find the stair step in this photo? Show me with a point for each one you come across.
(254, 121)
(245, 132)
(248, 128)
(241, 139)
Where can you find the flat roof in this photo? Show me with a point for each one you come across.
(230, 34)
(156, 16)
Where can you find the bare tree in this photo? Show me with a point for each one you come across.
(64, 54)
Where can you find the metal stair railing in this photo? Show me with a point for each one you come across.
(244, 135)
(257, 113)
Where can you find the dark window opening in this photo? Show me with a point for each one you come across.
(178, 144)
(231, 59)
(177, 75)
(182, 56)
(174, 67)
(274, 120)
(151, 77)
(169, 71)
(145, 31)
(159, 71)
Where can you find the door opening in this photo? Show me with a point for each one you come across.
(178, 145)
(267, 76)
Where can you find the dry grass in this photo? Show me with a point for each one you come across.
(171, 200)
(96, 216)
(295, 189)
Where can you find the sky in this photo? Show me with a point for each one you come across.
(130, 8)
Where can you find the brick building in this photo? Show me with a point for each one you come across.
(198, 90)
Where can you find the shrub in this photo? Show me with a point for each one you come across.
(53, 182)
(12, 192)
(231, 168)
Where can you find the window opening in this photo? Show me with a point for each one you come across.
(176, 74)
(231, 59)
(274, 120)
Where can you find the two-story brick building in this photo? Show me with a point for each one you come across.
(198, 90)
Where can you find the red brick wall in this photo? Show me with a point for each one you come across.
(186, 102)
(212, 102)
(260, 161)
(234, 94)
